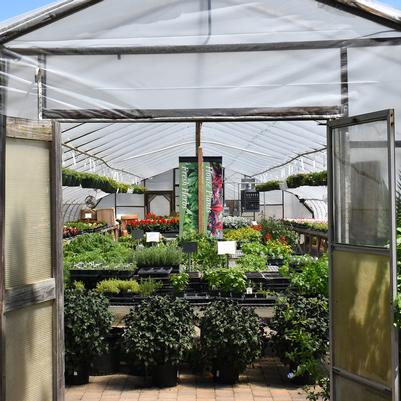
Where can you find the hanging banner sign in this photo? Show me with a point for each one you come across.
(212, 197)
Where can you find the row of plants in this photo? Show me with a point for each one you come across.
(73, 228)
(73, 178)
(311, 224)
(159, 335)
(295, 181)
(151, 222)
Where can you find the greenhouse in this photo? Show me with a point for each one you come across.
(200, 192)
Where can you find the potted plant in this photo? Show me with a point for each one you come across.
(148, 286)
(231, 338)
(160, 331)
(300, 334)
(231, 281)
(158, 260)
(118, 291)
(179, 282)
(87, 323)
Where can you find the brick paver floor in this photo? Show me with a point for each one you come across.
(265, 381)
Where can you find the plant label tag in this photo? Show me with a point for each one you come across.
(88, 215)
(75, 373)
(226, 247)
(153, 237)
(249, 291)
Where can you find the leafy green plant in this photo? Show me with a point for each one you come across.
(300, 332)
(87, 322)
(78, 285)
(179, 281)
(269, 186)
(226, 279)
(243, 234)
(231, 335)
(149, 286)
(277, 250)
(99, 252)
(115, 286)
(311, 279)
(319, 391)
(234, 222)
(311, 179)
(206, 257)
(252, 263)
(159, 331)
(162, 255)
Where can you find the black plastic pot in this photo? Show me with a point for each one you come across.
(226, 374)
(164, 376)
(79, 376)
(109, 362)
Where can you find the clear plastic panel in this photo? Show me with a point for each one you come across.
(361, 190)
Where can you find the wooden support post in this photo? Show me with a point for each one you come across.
(199, 155)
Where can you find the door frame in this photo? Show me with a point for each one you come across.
(342, 122)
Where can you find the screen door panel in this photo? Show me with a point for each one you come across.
(31, 269)
(362, 258)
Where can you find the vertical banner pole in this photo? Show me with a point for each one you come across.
(201, 224)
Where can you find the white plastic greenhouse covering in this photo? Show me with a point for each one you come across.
(129, 79)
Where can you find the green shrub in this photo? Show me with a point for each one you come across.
(277, 250)
(87, 322)
(243, 234)
(300, 332)
(179, 281)
(226, 279)
(149, 286)
(159, 331)
(230, 334)
(310, 179)
(157, 256)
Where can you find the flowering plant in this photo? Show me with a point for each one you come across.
(151, 222)
(234, 222)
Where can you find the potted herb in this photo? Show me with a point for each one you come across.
(149, 286)
(231, 281)
(231, 339)
(160, 331)
(179, 282)
(119, 291)
(87, 323)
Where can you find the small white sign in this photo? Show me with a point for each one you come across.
(249, 291)
(88, 215)
(153, 237)
(226, 247)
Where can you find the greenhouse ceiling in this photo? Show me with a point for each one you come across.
(128, 84)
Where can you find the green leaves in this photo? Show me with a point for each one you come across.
(87, 322)
(115, 286)
(226, 279)
(230, 333)
(156, 256)
(243, 234)
(179, 281)
(160, 330)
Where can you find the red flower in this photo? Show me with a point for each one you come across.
(257, 227)
(218, 208)
(268, 237)
(283, 239)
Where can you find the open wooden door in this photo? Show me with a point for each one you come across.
(31, 275)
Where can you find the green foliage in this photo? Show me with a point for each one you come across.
(320, 391)
(97, 251)
(310, 179)
(159, 331)
(230, 334)
(243, 234)
(312, 279)
(115, 286)
(149, 286)
(226, 279)
(91, 180)
(252, 263)
(87, 322)
(155, 256)
(206, 257)
(273, 229)
(84, 226)
(269, 186)
(270, 250)
(277, 250)
(78, 285)
(179, 281)
(300, 332)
